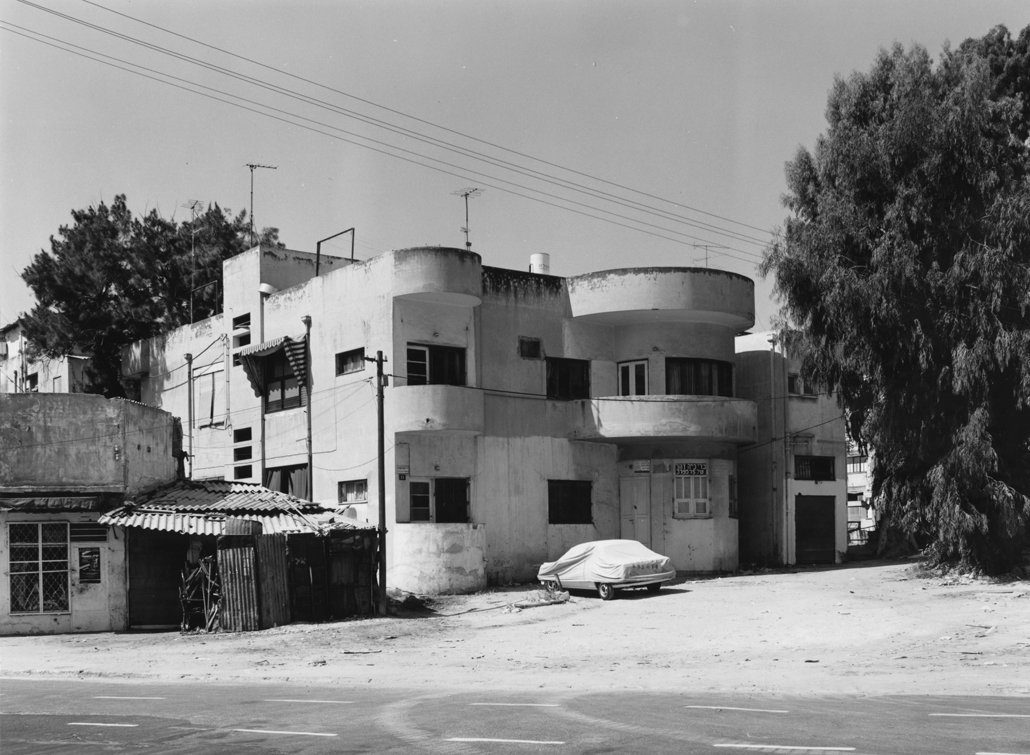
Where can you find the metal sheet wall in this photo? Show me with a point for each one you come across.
(238, 568)
(273, 567)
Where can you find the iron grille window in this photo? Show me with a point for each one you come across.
(282, 389)
(568, 378)
(350, 361)
(814, 468)
(436, 365)
(39, 567)
(569, 502)
(698, 377)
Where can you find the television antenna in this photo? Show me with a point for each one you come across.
(706, 247)
(252, 166)
(193, 205)
(467, 192)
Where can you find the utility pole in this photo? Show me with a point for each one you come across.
(252, 166)
(467, 192)
(381, 421)
(306, 319)
(189, 387)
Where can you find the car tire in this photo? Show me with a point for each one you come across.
(605, 590)
(655, 587)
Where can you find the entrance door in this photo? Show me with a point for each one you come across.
(814, 529)
(635, 501)
(155, 575)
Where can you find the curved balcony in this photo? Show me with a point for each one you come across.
(699, 418)
(663, 294)
(436, 409)
(438, 274)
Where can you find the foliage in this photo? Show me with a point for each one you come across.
(110, 279)
(903, 275)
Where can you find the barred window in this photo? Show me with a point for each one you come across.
(39, 567)
(814, 468)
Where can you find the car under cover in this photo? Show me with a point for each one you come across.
(620, 563)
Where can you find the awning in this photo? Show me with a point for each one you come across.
(296, 355)
(205, 524)
(49, 504)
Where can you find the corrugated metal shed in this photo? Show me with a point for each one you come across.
(204, 524)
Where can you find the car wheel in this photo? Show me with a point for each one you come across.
(655, 587)
(605, 590)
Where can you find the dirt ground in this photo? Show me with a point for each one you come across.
(873, 628)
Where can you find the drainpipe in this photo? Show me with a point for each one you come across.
(189, 415)
(306, 319)
(774, 494)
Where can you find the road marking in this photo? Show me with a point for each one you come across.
(981, 715)
(520, 705)
(796, 748)
(86, 723)
(504, 741)
(726, 707)
(295, 733)
(334, 702)
(1001, 753)
(115, 697)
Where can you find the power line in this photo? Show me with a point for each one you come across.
(415, 118)
(755, 256)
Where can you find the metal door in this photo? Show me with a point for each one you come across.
(814, 527)
(635, 500)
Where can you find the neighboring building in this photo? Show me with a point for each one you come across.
(525, 412)
(862, 515)
(65, 460)
(793, 482)
(20, 373)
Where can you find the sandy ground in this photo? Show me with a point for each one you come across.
(875, 628)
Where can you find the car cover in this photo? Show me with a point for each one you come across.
(605, 561)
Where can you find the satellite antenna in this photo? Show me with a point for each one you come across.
(193, 205)
(467, 192)
(252, 166)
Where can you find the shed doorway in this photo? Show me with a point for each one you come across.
(814, 529)
(156, 560)
(635, 501)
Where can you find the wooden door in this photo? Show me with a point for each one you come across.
(635, 502)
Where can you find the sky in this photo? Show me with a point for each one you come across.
(607, 133)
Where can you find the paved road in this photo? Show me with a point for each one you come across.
(85, 717)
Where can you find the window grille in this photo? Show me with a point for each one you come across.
(38, 567)
(814, 468)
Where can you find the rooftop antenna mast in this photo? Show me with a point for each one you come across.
(252, 166)
(193, 205)
(706, 247)
(467, 192)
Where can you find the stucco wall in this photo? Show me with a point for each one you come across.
(93, 607)
(434, 559)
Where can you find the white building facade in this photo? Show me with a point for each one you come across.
(525, 413)
(21, 373)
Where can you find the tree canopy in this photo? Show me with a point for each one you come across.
(903, 275)
(111, 279)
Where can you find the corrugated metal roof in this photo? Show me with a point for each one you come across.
(222, 496)
(204, 524)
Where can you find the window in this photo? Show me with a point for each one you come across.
(292, 480)
(814, 468)
(690, 488)
(353, 491)
(209, 397)
(55, 385)
(436, 365)
(698, 377)
(39, 567)
(798, 387)
(282, 389)
(569, 502)
(530, 348)
(32, 383)
(240, 334)
(568, 378)
(241, 322)
(444, 500)
(350, 361)
(242, 434)
(244, 472)
(242, 453)
(856, 464)
(633, 378)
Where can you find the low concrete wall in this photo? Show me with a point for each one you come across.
(437, 559)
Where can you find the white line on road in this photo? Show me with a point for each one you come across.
(333, 702)
(981, 715)
(115, 697)
(295, 733)
(88, 723)
(520, 705)
(797, 748)
(726, 707)
(1001, 753)
(505, 741)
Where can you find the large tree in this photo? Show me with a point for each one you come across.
(903, 274)
(110, 279)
